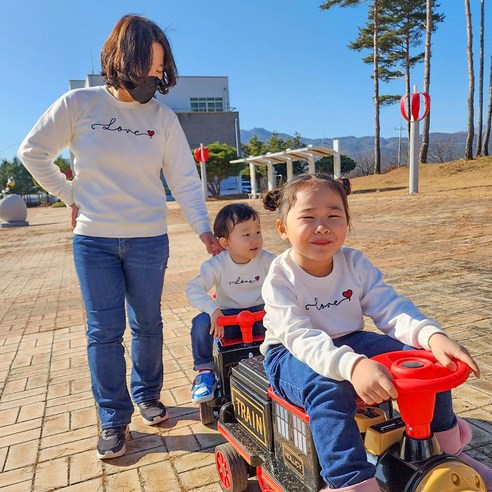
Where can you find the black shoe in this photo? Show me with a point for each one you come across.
(111, 443)
(153, 412)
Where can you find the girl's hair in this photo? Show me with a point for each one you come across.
(127, 53)
(284, 198)
(231, 215)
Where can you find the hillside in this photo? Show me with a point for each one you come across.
(454, 204)
(456, 177)
(443, 146)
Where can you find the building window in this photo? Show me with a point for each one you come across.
(299, 434)
(207, 104)
(282, 421)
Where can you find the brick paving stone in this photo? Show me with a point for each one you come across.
(124, 481)
(21, 455)
(51, 475)
(48, 417)
(84, 467)
(3, 457)
(17, 476)
(159, 476)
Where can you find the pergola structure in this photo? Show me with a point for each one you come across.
(309, 154)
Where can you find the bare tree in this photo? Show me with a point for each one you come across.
(427, 57)
(471, 83)
(442, 151)
(365, 165)
(480, 82)
(486, 136)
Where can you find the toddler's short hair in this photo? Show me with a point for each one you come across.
(230, 215)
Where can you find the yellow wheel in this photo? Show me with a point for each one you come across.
(451, 476)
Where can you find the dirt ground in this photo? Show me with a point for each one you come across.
(454, 200)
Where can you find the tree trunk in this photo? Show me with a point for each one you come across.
(427, 57)
(471, 83)
(488, 119)
(377, 127)
(478, 150)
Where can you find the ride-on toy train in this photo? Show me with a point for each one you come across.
(269, 438)
(227, 352)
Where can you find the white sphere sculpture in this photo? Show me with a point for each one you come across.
(13, 210)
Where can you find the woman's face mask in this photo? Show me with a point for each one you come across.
(144, 91)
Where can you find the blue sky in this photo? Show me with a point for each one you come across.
(288, 64)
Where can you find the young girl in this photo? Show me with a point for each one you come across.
(317, 354)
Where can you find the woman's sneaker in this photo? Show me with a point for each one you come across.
(111, 443)
(153, 412)
(203, 388)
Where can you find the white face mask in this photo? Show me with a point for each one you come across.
(144, 91)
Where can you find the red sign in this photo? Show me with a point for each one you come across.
(415, 106)
(201, 154)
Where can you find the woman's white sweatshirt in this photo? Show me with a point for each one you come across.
(119, 151)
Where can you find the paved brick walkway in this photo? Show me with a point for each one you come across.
(48, 424)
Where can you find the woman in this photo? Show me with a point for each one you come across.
(122, 139)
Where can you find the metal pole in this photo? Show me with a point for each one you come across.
(414, 157)
(414, 153)
(337, 160)
(203, 172)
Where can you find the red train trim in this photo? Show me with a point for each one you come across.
(234, 443)
(264, 478)
(227, 342)
(299, 412)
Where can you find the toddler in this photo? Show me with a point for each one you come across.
(237, 275)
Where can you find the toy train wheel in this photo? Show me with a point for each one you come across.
(232, 468)
(206, 413)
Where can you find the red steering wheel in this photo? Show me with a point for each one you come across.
(245, 320)
(418, 377)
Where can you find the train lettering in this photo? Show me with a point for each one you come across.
(250, 415)
(293, 460)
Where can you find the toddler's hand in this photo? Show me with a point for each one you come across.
(372, 381)
(215, 329)
(445, 350)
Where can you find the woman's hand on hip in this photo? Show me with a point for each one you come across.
(211, 242)
(73, 211)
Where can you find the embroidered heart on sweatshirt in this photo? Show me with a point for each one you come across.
(150, 133)
(347, 294)
(257, 278)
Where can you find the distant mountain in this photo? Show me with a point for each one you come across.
(451, 144)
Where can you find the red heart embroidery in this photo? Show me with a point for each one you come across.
(150, 133)
(257, 278)
(347, 294)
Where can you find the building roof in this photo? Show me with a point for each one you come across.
(305, 154)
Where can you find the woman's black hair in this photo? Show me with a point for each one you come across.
(127, 53)
(230, 215)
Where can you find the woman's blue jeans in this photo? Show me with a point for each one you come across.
(331, 407)
(112, 271)
(202, 341)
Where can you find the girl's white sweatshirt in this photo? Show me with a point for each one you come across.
(306, 313)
